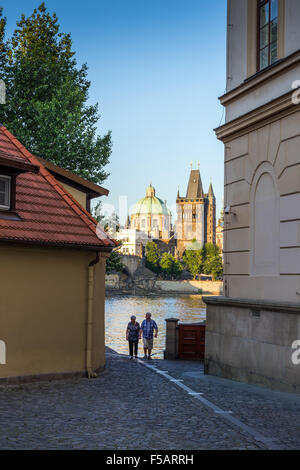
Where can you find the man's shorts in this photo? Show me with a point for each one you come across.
(148, 343)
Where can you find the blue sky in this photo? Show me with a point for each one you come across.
(157, 68)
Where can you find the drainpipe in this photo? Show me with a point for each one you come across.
(89, 339)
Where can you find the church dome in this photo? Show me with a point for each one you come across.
(150, 204)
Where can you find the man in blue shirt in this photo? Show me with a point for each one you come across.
(147, 328)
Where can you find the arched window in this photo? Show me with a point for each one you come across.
(265, 223)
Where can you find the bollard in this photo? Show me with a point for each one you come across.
(171, 351)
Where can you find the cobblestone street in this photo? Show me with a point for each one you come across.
(132, 407)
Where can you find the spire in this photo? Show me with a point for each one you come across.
(195, 189)
(178, 193)
(150, 191)
(211, 191)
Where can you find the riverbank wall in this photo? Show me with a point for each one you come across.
(116, 284)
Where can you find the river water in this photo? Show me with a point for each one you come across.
(187, 308)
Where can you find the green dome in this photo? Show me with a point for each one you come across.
(150, 205)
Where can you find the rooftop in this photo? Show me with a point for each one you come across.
(47, 213)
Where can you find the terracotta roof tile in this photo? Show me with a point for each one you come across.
(49, 214)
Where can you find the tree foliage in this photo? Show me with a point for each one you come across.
(110, 222)
(163, 264)
(153, 257)
(213, 263)
(170, 266)
(206, 260)
(47, 97)
(114, 263)
(193, 260)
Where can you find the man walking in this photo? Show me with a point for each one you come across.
(147, 328)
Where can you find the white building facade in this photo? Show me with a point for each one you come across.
(260, 313)
(133, 241)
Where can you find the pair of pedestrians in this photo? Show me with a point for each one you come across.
(134, 333)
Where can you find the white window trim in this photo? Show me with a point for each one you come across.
(7, 207)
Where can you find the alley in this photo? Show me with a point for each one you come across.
(132, 407)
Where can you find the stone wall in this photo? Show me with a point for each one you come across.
(117, 282)
(191, 287)
(112, 281)
(252, 342)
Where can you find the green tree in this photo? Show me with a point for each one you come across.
(193, 260)
(108, 221)
(170, 266)
(114, 263)
(47, 97)
(213, 264)
(3, 44)
(217, 267)
(97, 212)
(211, 250)
(153, 257)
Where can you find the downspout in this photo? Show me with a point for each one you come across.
(90, 320)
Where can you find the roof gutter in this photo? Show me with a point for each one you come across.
(39, 243)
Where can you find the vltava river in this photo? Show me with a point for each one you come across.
(187, 308)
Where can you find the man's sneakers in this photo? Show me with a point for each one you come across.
(149, 358)
(145, 357)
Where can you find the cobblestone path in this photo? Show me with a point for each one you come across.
(132, 407)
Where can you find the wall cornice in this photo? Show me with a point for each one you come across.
(260, 78)
(254, 304)
(259, 117)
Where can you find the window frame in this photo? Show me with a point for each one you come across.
(8, 178)
(260, 5)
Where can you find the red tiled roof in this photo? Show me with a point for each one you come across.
(49, 214)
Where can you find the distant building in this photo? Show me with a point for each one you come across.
(219, 232)
(151, 216)
(133, 241)
(196, 214)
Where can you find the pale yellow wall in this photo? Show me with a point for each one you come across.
(43, 310)
(78, 195)
(273, 149)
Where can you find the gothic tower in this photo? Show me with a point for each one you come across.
(196, 215)
(210, 217)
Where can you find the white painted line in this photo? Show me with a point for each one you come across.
(226, 415)
(194, 394)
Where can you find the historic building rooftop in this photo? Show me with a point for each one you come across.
(38, 209)
(150, 204)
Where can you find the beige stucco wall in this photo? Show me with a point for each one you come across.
(43, 310)
(272, 150)
(78, 195)
(243, 345)
(242, 54)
